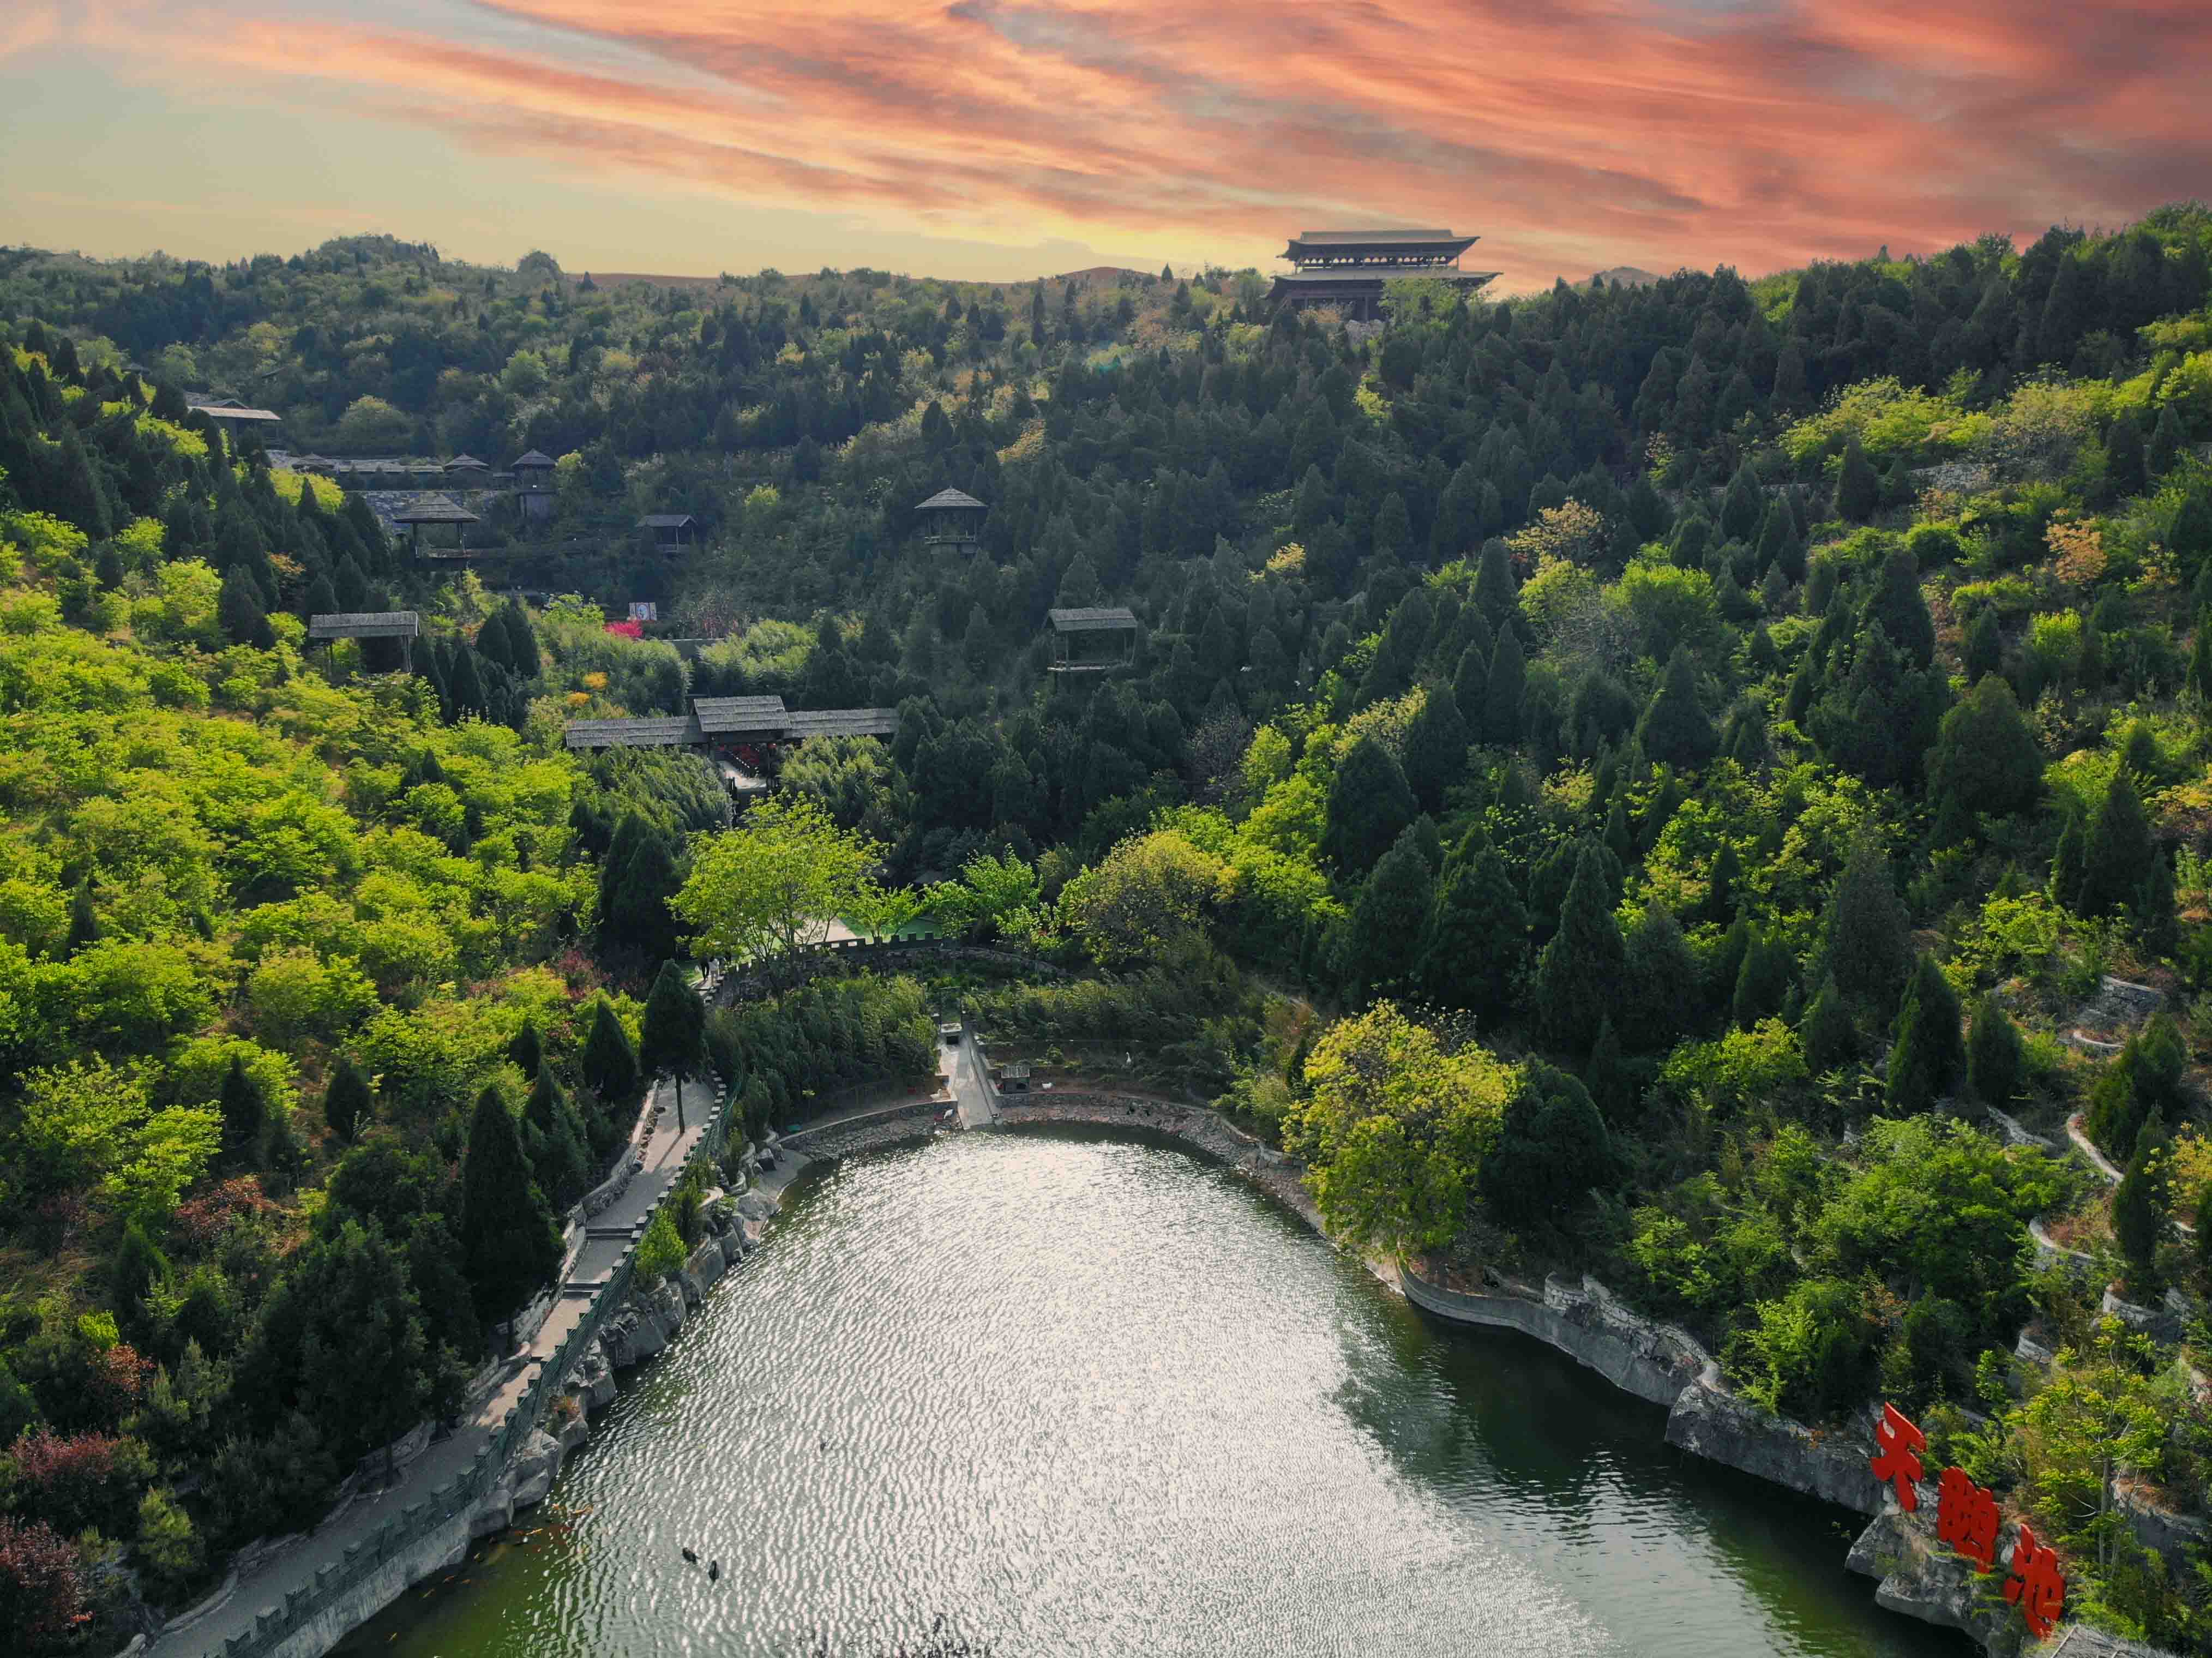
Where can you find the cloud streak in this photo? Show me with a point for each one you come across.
(1574, 135)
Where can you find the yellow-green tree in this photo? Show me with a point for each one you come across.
(776, 883)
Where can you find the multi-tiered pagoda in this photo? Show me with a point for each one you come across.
(1347, 268)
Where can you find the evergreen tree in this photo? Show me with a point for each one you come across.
(1743, 506)
(2139, 1210)
(1606, 1077)
(510, 1247)
(1552, 1148)
(84, 919)
(1762, 983)
(1393, 907)
(1996, 1061)
(526, 1053)
(2126, 467)
(1436, 747)
(608, 1064)
(465, 682)
(1659, 980)
(2192, 536)
(1858, 491)
(1617, 839)
(1828, 1035)
(1496, 592)
(1984, 646)
(1471, 682)
(1675, 730)
(1985, 757)
(1369, 806)
(238, 611)
(1721, 882)
(2116, 852)
(555, 1142)
(2198, 683)
(1897, 607)
(2166, 441)
(1501, 705)
(1579, 969)
(669, 1035)
(245, 1112)
(1865, 944)
(2069, 861)
(1476, 941)
(346, 1102)
(1929, 1055)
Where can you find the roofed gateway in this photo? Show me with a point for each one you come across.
(1347, 269)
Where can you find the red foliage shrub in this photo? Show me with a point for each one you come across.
(203, 1220)
(76, 1481)
(41, 1583)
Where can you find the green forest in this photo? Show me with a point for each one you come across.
(1647, 781)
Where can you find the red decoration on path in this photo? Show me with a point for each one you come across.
(2038, 1586)
(1899, 1461)
(1966, 1518)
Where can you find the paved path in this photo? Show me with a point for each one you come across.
(665, 1152)
(961, 1068)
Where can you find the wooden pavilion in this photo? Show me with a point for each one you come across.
(327, 628)
(1095, 639)
(435, 509)
(952, 517)
(670, 530)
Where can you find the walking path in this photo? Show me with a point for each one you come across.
(356, 1521)
(961, 1068)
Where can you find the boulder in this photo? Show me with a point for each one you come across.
(618, 1339)
(706, 1264)
(495, 1514)
(753, 1206)
(593, 1379)
(574, 1434)
(529, 1476)
(1922, 1579)
(694, 1292)
(1735, 1431)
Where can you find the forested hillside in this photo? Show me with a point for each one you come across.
(1623, 779)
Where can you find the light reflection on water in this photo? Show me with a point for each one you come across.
(1059, 1393)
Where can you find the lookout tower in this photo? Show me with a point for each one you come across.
(1347, 269)
(952, 517)
(533, 485)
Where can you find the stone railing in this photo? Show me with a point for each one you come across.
(451, 1501)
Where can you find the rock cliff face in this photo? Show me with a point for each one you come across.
(1726, 1429)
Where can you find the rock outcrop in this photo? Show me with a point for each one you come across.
(1726, 1428)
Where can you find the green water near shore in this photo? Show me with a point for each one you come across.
(1058, 1392)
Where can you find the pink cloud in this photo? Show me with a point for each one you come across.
(1582, 133)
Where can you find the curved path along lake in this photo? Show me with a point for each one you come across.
(1051, 1392)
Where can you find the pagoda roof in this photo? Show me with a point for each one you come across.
(1380, 243)
(951, 498)
(535, 458)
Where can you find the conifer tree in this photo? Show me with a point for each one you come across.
(1721, 882)
(1762, 983)
(2126, 470)
(1827, 1034)
(2192, 536)
(1578, 974)
(1675, 730)
(1476, 941)
(1898, 608)
(2068, 862)
(557, 1152)
(346, 1102)
(464, 684)
(1743, 506)
(84, 919)
(2116, 852)
(1501, 708)
(1471, 683)
(1929, 1053)
(2139, 1206)
(1606, 1079)
(608, 1064)
(238, 610)
(1369, 806)
(1436, 747)
(1985, 757)
(671, 1032)
(1394, 907)
(1984, 646)
(509, 1245)
(526, 1051)
(1858, 491)
(245, 1112)
(1660, 982)
(1865, 947)
(2166, 440)
(1995, 1058)
(1552, 1149)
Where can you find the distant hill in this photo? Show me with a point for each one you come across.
(1624, 275)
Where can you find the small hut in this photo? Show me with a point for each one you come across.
(1092, 640)
(952, 517)
(435, 509)
(670, 530)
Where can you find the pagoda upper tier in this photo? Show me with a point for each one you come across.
(1347, 269)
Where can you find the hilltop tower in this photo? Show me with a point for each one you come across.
(1347, 269)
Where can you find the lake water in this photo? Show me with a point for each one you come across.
(1047, 1392)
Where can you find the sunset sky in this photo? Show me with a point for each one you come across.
(1003, 139)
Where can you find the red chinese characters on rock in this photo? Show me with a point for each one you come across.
(1898, 1459)
(1966, 1518)
(2036, 1586)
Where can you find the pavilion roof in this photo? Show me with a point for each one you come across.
(841, 722)
(364, 624)
(434, 509)
(666, 521)
(662, 732)
(1092, 619)
(951, 498)
(720, 716)
(535, 458)
(466, 463)
(1338, 238)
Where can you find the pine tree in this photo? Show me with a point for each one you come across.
(1721, 882)
(1552, 1147)
(346, 1102)
(1743, 506)
(1763, 983)
(1996, 1061)
(1501, 705)
(2192, 536)
(526, 1053)
(1675, 730)
(2116, 852)
(669, 1035)
(1476, 941)
(1827, 1034)
(1659, 980)
(509, 1244)
(608, 1063)
(1929, 1055)
(84, 919)
(1369, 806)
(2166, 441)
(1986, 758)
(465, 682)
(1606, 1079)
(557, 1151)
(1394, 907)
(239, 612)
(245, 1112)
(2139, 1206)
(1496, 593)
(1471, 680)
(1578, 974)
(2126, 469)
(2065, 311)
(1858, 491)
(1865, 944)
(1436, 747)
(1898, 608)
(1984, 646)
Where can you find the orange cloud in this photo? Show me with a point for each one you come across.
(1574, 135)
